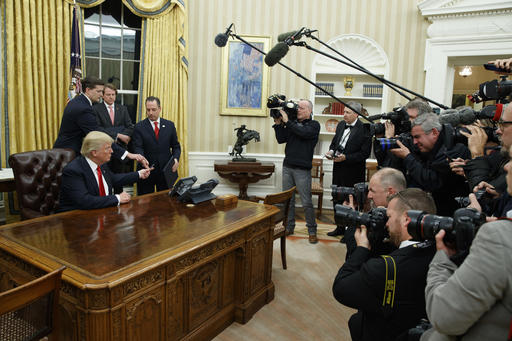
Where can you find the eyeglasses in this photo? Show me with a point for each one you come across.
(501, 124)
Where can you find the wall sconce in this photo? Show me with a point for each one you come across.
(466, 71)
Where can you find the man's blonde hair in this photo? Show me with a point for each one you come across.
(94, 141)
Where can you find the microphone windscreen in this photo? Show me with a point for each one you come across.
(284, 36)
(374, 117)
(467, 116)
(276, 53)
(221, 39)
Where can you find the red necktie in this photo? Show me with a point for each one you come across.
(156, 129)
(111, 112)
(100, 181)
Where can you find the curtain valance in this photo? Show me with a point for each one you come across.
(142, 8)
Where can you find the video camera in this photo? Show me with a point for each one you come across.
(492, 90)
(341, 194)
(276, 102)
(398, 117)
(460, 230)
(466, 115)
(375, 221)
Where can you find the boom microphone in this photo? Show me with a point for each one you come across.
(290, 37)
(284, 36)
(276, 53)
(221, 39)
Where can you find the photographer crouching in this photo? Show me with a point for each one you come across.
(300, 134)
(388, 291)
(473, 301)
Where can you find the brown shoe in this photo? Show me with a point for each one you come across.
(313, 239)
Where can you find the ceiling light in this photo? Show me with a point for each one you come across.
(466, 71)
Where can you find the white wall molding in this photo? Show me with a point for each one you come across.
(461, 29)
(201, 165)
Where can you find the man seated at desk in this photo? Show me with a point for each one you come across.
(87, 182)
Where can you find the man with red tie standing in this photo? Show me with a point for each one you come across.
(156, 139)
(87, 182)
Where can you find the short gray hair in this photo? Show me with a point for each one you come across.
(357, 106)
(421, 105)
(391, 177)
(94, 141)
(427, 122)
(310, 104)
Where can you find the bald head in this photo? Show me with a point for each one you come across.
(385, 182)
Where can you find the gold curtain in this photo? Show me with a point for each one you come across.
(164, 70)
(37, 35)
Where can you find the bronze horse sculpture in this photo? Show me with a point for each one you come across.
(243, 137)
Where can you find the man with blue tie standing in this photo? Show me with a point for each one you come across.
(156, 139)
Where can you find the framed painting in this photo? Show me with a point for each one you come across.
(244, 77)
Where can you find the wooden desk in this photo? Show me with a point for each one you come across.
(154, 269)
(244, 173)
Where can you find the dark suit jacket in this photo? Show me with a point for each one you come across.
(157, 152)
(122, 122)
(79, 188)
(78, 120)
(357, 150)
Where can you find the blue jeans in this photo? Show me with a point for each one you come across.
(302, 179)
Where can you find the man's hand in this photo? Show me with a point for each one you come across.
(144, 173)
(456, 166)
(401, 152)
(361, 237)
(477, 138)
(390, 129)
(278, 120)
(473, 202)
(350, 202)
(329, 154)
(284, 115)
(502, 63)
(440, 245)
(125, 138)
(175, 166)
(124, 197)
(488, 188)
(139, 158)
(340, 158)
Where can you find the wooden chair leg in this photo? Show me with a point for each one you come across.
(283, 251)
(320, 201)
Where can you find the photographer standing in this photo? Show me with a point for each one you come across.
(349, 149)
(388, 291)
(427, 163)
(300, 136)
(473, 301)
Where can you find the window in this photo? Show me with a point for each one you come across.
(112, 49)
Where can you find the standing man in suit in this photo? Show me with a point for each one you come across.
(79, 119)
(157, 140)
(87, 182)
(349, 150)
(116, 122)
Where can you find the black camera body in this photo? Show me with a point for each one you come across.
(375, 221)
(493, 90)
(460, 230)
(398, 117)
(464, 201)
(341, 194)
(276, 102)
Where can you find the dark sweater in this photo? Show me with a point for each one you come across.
(300, 139)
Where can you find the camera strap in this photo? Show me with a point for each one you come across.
(389, 285)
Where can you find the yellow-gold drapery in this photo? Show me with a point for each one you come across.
(164, 70)
(37, 42)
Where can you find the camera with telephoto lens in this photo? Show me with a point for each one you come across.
(493, 90)
(460, 230)
(375, 222)
(341, 194)
(276, 102)
(398, 117)
(391, 143)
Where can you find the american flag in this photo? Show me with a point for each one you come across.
(75, 87)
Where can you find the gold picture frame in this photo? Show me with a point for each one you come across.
(244, 77)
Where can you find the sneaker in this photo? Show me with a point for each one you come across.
(313, 239)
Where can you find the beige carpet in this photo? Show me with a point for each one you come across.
(304, 307)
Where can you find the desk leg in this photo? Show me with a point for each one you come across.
(243, 190)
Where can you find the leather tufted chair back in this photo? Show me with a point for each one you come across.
(37, 175)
